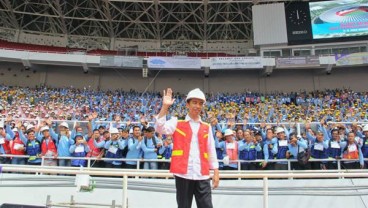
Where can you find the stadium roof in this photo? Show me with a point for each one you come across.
(205, 20)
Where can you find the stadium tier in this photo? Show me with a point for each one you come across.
(161, 97)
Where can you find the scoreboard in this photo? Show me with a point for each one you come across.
(326, 21)
(311, 22)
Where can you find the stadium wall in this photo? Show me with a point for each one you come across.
(281, 80)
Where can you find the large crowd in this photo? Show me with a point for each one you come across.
(342, 105)
(78, 123)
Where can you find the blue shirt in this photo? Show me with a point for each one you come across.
(135, 151)
(302, 144)
(246, 146)
(149, 150)
(121, 145)
(74, 146)
(265, 148)
(63, 146)
(163, 149)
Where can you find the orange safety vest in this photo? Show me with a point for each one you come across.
(17, 140)
(6, 146)
(46, 147)
(182, 138)
(94, 151)
(351, 155)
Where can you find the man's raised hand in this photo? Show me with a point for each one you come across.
(167, 99)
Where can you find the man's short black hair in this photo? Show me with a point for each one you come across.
(257, 133)
(292, 135)
(150, 129)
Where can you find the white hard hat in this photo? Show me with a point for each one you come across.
(229, 132)
(29, 126)
(44, 128)
(64, 124)
(114, 131)
(279, 130)
(15, 130)
(365, 128)
(1, 124)
(196, 93)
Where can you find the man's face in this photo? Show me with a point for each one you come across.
(80, 140)
(96, 134)
(150, 134)
(247, 136)
(195, 107)
(335, 135)
(320, 137)
(281, 135)
(136, 132)
(239, 134)
(293, 140)
(351, 137)
(229, 138)
(62, 129)
(114, 136)
(106, 135)
(124, 134)
(31, 135)
(258, 138)
(46, 133)
(269, 134)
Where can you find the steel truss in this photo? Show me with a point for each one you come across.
(198, 22)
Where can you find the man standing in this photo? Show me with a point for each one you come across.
(150, 146)
(193, 153)
(134, 148)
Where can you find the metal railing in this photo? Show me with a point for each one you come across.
(296, 125)
(145, 173)
(140, 161)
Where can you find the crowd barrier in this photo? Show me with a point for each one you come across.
(72, 124)
(265, 176)
(140, 161)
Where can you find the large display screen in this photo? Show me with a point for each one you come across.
(340, 18)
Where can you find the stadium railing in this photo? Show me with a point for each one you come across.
(73, 123)
(140, 161)
(157, 174)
